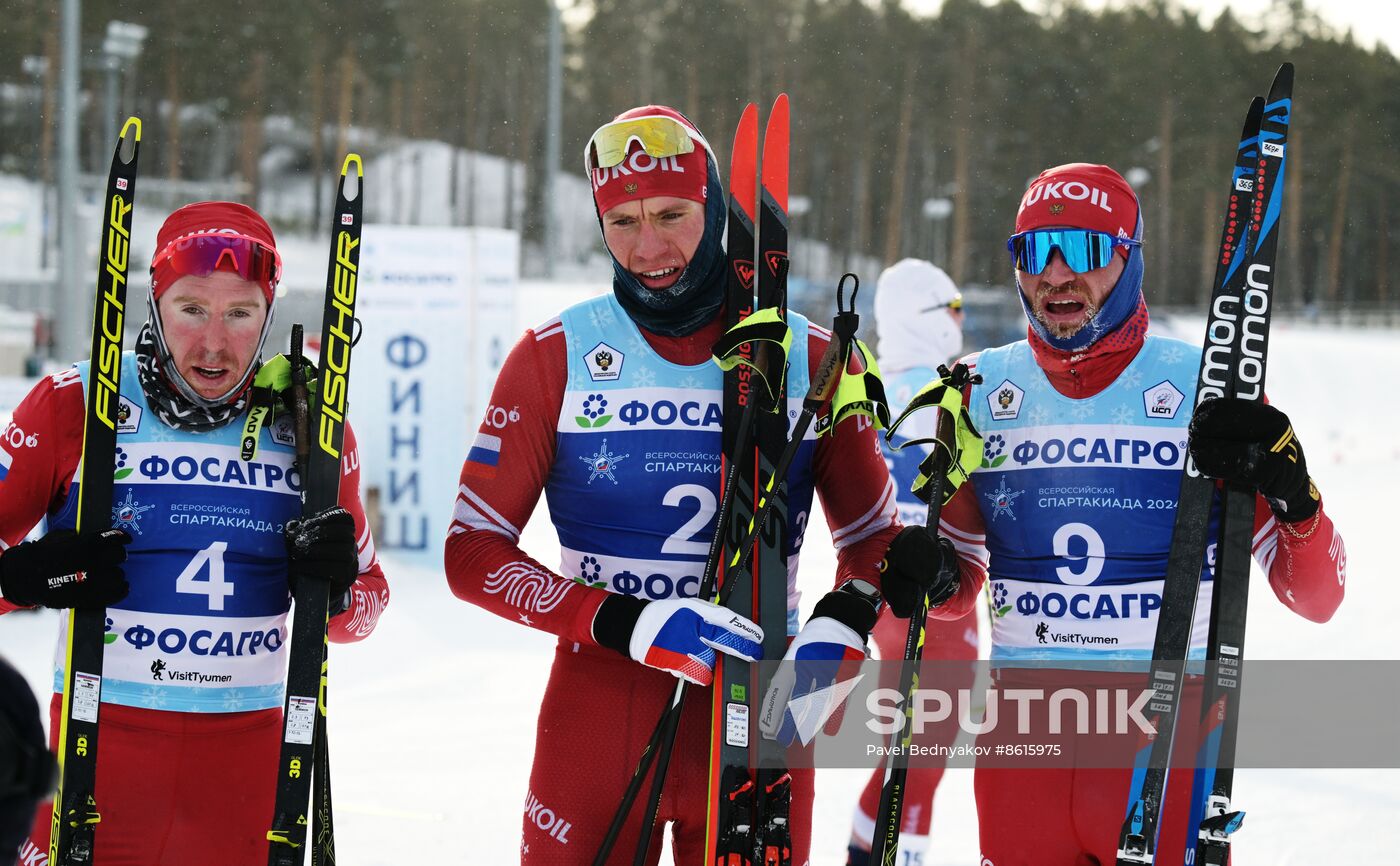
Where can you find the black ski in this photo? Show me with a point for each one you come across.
(1137, 839)
(729, 824)
(1213, 818)
(319, 462)
(75, 809)
(763, 356)
(773, 837)
(754, 790)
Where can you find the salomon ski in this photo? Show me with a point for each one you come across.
(1137, 840)
(1213, 816)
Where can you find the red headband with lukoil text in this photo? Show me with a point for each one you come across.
(208, 218)
(641, 175)
(1080, 195)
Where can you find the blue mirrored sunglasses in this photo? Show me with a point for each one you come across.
(1083, 249)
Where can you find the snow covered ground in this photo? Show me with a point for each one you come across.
(433, 717)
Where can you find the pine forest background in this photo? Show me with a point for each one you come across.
(891, 109)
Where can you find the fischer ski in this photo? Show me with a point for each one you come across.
(1191, 533)
(75, 808)
(320, 437)
(1213, 817)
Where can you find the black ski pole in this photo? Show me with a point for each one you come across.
(936, 467)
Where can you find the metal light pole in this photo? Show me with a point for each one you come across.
(70, 314)
(937, 210)
(553, 125)
(120, 49)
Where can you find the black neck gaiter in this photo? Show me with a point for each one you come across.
(696, 297)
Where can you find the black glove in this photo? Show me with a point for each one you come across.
(66, 569)
(1253, 443)
(917, 565)
(323, 547)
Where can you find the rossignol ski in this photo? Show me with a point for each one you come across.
(75, 809)
(956, 451)
(772, 844)
(763, 358)
(319, 461)
(1186, 559)
(750, 789)
(1213, 817)
(753, 353)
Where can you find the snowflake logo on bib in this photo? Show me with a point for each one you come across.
(1002, 499)
(603, 463)
(127, 514)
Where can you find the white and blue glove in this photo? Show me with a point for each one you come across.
(677, 635)
(822, 666)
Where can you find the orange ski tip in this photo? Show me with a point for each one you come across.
(775, 151)
(743, 162)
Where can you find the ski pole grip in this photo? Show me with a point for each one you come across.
(847, 321)
(300, 409)
(827, 375)
(843, 328)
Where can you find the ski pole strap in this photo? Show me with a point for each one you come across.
(847, 321)
(963, 454)
(269, 396)
(860, 391)
(765, 326)
(847, 375)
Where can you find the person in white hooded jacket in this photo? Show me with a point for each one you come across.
(918, 318)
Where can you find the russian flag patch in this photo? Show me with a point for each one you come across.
(485, 453)
(5, 460)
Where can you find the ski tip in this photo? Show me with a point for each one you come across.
(775, 152)
(1284, 74)
(743, 163)
(1253, 118)
(132, 122)
(359, 165)
(746, 133)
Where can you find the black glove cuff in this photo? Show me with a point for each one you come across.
(340, 603)
(1298, 507)
(615, 621)
(850, 610)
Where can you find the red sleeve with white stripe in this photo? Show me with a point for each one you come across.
(1308, 574)
(39, 454)
(502, 479)
(370, 593)
(853, 481)
(1306, 562)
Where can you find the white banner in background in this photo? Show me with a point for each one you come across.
(437, 309)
